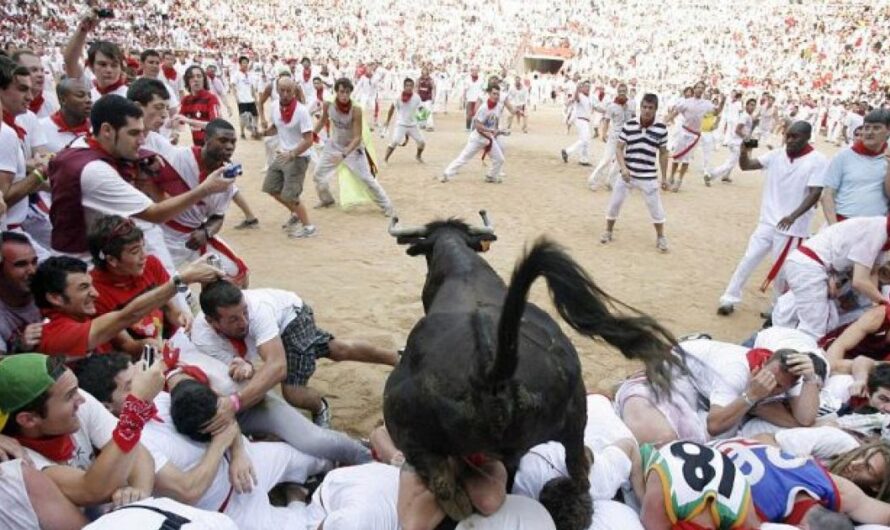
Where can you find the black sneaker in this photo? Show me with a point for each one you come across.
(248, 224)
(322, 418)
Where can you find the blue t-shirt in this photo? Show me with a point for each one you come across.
(858, 181)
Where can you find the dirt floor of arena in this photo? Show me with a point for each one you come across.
(362, 285)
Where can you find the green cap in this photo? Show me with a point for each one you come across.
(23, 378)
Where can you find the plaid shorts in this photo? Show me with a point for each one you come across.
(303, 344)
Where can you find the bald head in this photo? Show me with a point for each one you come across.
(797, 137)
(68, 85)
(801, 127)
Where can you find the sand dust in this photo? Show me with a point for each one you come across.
(362, 285)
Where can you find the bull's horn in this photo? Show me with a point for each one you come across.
(487, 229)
(395, 231)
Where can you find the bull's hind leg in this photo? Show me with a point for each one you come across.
(568, 499)
(439, 476)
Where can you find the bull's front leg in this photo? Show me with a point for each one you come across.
(439, 476)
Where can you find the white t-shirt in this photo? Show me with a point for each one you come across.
(613, 515)
(823, 443)
(517, 513)
(785, 186)
(35, 137)
(354, 497)
(488, 117)
(719, 370)
(475, 89)
(518, 96)
(17, 512)
(269, 312)
(244, 84)
(406, 112)
(744, 119)
(852, 122)
(185, 161)
(96, 428)
(857, 240)
(134, 517)
(581, 108)
(12, 160)
(56, 140)
(290, 134)
(693, 110)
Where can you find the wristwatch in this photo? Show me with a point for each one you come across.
(179, 284)
(750, 402)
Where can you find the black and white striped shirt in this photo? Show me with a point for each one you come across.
(642, 145)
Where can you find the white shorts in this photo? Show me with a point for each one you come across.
(401, 134)
(685, 143)
(17, 512)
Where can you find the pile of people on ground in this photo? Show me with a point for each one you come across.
(121, 404)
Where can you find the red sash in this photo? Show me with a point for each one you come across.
(691, 146)
(808, 252)
(777, 266)
(219, 246)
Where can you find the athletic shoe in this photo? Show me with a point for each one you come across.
(606, 237)
(444, 178)
(322, 418)
(323, 204)
(494, 180)
(248, 224)
(661, 244)
(725, 310)
(708, 179)
(290, 223)
(564, 155)
(694, 336)
(585, 164)
(303, 232)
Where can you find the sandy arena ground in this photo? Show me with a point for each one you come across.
(363, 286)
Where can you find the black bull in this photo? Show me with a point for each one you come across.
(486, 372)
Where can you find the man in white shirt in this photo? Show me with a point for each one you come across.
(293, 125)
(581, 109)
(692, 109)
(853, 120)
(791, 188)
(43, 99)
(405, 107)
(473, 90)
(72, 120)
(726, 383)
(103, 71)
(279, 328)
(741, 132)
(244, 83)
(616, 114)
(519, 99)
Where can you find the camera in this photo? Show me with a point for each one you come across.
(751, 143)
(232, 171)
(105, 12)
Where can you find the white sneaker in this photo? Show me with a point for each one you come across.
(606, 237)
(661, 244)
(493, 180)
(303, 232)
(444, 178)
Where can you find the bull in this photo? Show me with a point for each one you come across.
(484, 371)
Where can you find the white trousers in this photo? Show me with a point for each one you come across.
(650, 190)
(182, 255)
(475, 144)
(708, 145)
(357, 162)
(402, 132)
(765, 240)
(725, 169)
(608, 161)
(582, 145)
(812, 311)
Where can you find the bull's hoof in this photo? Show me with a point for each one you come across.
(570, 505)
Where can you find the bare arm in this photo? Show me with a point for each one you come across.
(163, 211)
(416, 506)
(389, 113)
(829, 207)
(868, 323)
(261, 103)
(776, 412)
(859, 506)
(722, 419)
(663, 158)
(272, 372)
(865, 282)
(619, 156)
(746, 163)
(321, 121)
(188, 487)
(13, 192)
(805, 406)
(74, 49)
(142, 476)
(813, 194)
(356, 131)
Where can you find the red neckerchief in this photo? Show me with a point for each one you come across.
(343, 107)
(474, 77)
(646, 125)
(9, 119)
(807, 149)
(307, 73)
(858, 147)
(110, 88)
(287, 111)
(491, 103)
(202, 170)
(319, 94)
(59, 120)
(406, 96)
(169, 73)
(211, 75)
(239, 345)
(36, 103)
(757, 357)
(56, 448)
(621, 100)
(94, 144)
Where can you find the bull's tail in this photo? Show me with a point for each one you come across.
(586, 308)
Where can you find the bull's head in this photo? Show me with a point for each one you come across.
(422, 238)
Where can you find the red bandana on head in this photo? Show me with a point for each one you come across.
(59, 120)
(859, 148)
(36, 103)
(757, 357)
(406, 96)
(287, 111)
(169, 72)
(56, 448)
(110, 88)
(9, 120)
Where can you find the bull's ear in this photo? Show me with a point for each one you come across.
(482, 243)
(408, 240)
(418, 246)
